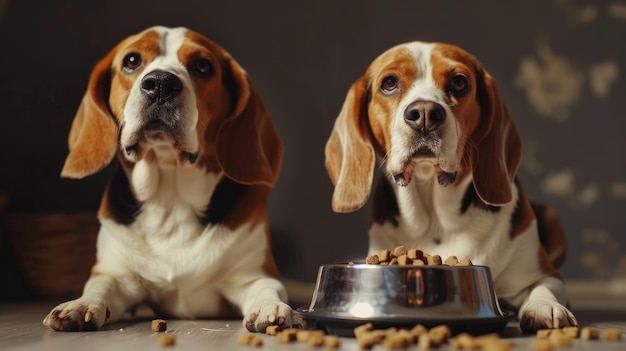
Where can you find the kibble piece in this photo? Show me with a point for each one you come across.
(305, 335)
(271, 330)
(316, 341)
(571, 332)
(159, 325)
(544, 333)
(419, 262)
(255, 341)
(612, 334)
(464, 341)
(425, 343)
(465, 262)
(393, 262)
(399, 251)
(396, 341)
(362, 329)
(558, 339)
(415, 254)
(367, 340)
(332, 341)
(404, 260)
(372, 259)
(302, 335)
(588, 333)
(244, 339)
(385, 256)
(434, 260)
(167, 339)
(497, 345)
(286, 336)
(542, 345)
(418, 330)
(440, 332)
(451, 261)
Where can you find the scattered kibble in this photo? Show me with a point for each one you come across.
(612, 335)
(159, 325)
(589, 333)
(167, 339)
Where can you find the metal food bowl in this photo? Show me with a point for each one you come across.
(348, 295)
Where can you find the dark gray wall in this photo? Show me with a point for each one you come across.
(559, 64)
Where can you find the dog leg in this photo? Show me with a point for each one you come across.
(262, 304)
(104, 299)
(543, 307)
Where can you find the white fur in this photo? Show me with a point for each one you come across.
(171, 41)
(423, 88)
(430, 213)
(166, 256)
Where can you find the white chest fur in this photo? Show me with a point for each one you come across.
(431, 219)
(179, 262)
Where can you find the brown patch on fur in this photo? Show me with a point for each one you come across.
(385, 204)
(491, 144)
(350, 157)
(551, 234)
(523, 215)
(546, 266)
(382, 108)
(146, 44)
(448, 61)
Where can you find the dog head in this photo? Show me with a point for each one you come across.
(172, 96)
(426, 109)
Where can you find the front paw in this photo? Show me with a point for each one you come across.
(545, 314)
(265, 313)
(77, 315)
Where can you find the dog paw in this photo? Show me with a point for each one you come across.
(545, 314)
(77, 315)
(266, 313)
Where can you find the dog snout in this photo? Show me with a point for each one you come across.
(425, 116)
(161, 85)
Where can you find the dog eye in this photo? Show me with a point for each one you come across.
(132, 61)
(389, 84)
(459, 85)
(203, 67)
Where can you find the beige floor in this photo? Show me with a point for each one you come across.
(21, 329)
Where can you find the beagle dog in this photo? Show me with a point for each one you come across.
(433, 119)
(184, 226)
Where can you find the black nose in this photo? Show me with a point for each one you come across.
(426, 116)
(161, 85)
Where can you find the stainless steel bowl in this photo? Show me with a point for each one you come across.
(353, 294)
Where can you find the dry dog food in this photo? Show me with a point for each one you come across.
(612, 335)
(400, 255)
(559, 339)
(393, 338)
(542, 345)
(249, 339)
(589, 333)
(488, 342)
(159, 325)
(167, 339)
(315, 338)
(288, 335)
(551, 338)
(271, 330)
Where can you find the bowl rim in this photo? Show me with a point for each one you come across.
(359, 264)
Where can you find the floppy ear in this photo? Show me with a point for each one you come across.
(248, 147)
(350, 156)
(499, 146)
(93, 135)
